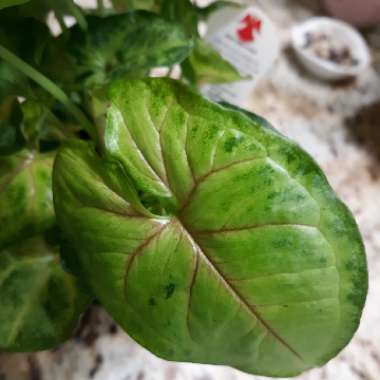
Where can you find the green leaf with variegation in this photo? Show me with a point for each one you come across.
(26, 195)
(236, 252)
(40, 303)
(126, 44)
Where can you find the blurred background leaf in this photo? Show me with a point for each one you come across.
(206, 65)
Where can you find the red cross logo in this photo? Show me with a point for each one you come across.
(251, 24)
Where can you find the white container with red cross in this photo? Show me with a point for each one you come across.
(248, 40)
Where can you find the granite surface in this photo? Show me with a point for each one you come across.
(340, 126)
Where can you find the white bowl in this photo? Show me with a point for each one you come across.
(340, 31)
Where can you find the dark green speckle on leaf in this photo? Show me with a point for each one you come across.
(231, 143)
(169, 290)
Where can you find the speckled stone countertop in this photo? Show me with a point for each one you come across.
(340, 126)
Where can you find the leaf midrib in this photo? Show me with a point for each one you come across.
(238, 296)
(201, 253)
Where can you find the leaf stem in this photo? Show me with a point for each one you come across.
(100, 5)
(48, 85)
(61, 21)
(129, 4)
(76, 12)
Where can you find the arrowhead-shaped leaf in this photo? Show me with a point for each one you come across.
(250, 259)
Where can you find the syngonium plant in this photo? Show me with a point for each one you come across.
(207, 235)
(51, 89)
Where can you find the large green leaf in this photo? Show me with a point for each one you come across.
(126, 44)
(251, 260)
(40, 303)
(25, 196)
(206, 65)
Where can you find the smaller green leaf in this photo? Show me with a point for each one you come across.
(206, 65)
(126, 44)
(11, 137)
(26, 200)
(40, 303)
(11, 3)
